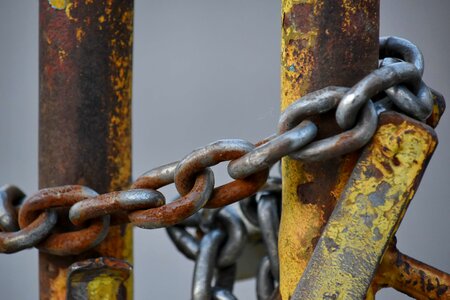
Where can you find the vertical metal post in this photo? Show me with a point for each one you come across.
(85, 116)
(324, 42)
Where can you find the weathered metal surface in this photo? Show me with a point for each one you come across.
(320, 38)
(85, 116)
(369, 211)
(115, 203)
(10, 198)
(438, 109)
(98, 279)
(177, 210)
(410, 276)
(210, 155)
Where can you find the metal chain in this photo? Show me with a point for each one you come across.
(218, 241)
(397, 83)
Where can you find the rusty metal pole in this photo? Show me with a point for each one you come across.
(85, 120)
(324, 42)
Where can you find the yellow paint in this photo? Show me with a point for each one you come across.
(68, 11)
(118, 243)
(120, 125)
(79, 33)
(57, 4)
(62, 54)
(296, 62)
(300, 222)
(58, 285)
(103, 287)
(351, 8)
(399, 154)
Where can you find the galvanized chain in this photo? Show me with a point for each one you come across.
(397, 83)
(263, 211)
(216, 244)
(219, 237)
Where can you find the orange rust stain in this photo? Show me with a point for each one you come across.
(79, 33)
(120, 125)
(62, 54)
(58, 285)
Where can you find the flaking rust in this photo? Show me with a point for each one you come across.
(319, 40)
(85, 113)
(409, 276)
(369, 211)
(96, 279)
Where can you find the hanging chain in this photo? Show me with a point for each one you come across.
(396, 84)
(218, 240)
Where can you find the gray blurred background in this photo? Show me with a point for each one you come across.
(206, 70)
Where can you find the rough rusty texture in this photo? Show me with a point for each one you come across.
(369, 211)
(91, 279)
(324, 42)
(438, 109)
(407, 275)
(85, 117)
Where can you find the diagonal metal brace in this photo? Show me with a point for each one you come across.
(369, 211)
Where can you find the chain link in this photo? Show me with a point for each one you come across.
(397, 83)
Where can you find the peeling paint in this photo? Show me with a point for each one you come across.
(99, 96)
(315, 53)
(406, 146)
(58, 4)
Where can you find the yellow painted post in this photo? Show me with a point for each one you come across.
(324, 42)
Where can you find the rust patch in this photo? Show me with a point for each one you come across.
(319, 40)
(85, 115)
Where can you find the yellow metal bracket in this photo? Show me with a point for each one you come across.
(369, 211)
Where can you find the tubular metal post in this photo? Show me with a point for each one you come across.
(85, 118)
(324, 42)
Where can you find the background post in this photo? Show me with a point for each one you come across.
(85, 115)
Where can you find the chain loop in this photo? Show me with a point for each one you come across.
(264, 156)
(10, 198)
(392, 46)
(70, 242)
(178, 210)
(269, 224)
(12, 238)
(397, 84)
(115, 203)
(418, 106)
(374, 83)
(210, 155)
(205, 264)
(342, 143)
(264, 281)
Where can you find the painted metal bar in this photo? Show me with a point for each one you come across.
(324, 42)
(369, 210)
(410, 276)
(98, 279)
(85, 115)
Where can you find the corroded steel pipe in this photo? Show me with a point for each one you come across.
(324, 42)
(85, 114)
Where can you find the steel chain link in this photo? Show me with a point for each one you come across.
(397, 84)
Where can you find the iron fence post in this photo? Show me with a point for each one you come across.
(324, 42)
(85, 116)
